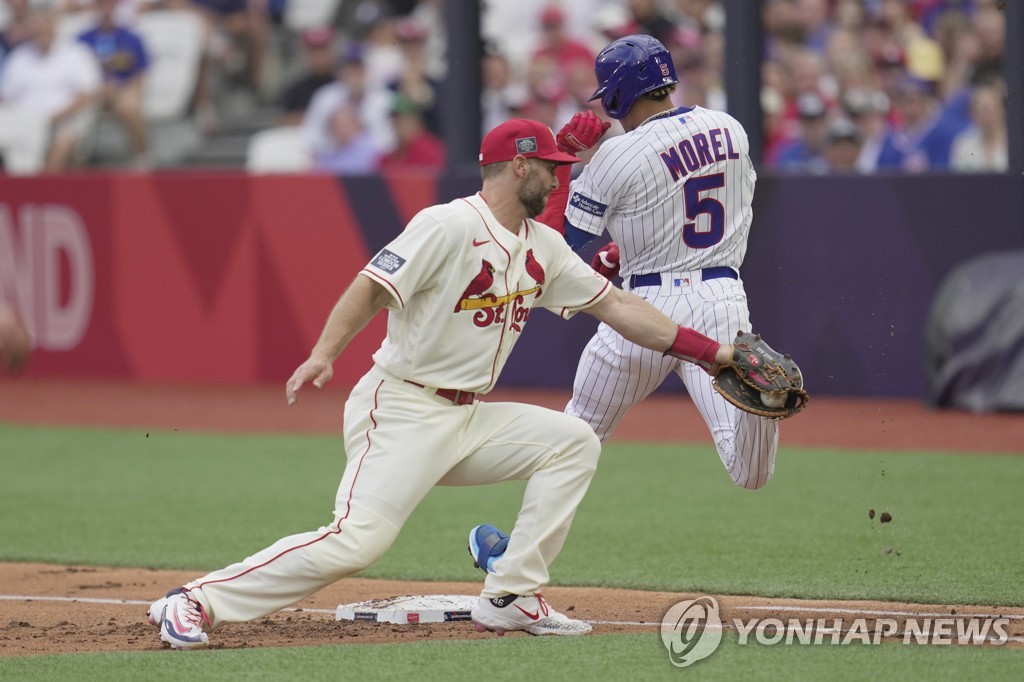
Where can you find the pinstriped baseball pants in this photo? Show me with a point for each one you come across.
(615, 374)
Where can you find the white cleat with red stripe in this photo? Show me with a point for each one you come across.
(529, 614)
(181, 621)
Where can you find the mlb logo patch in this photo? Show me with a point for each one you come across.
(526, 145)
(388, 262)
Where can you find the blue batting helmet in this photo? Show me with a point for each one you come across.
(628, 68)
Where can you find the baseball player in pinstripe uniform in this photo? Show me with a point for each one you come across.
(459, 284)
(674, 193)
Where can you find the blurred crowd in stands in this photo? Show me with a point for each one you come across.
(860, 86)
(352, 86)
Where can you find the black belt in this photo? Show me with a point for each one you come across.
(653, 279)
(454, 395)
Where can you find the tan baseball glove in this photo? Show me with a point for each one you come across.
(761, 380)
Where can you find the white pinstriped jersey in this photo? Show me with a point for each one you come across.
(675, 193)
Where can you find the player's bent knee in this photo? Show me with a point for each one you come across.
(752, 481)
(579, 445)
(590, 448)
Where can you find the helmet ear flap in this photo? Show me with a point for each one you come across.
(611, 101)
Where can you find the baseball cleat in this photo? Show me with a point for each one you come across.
(532, 615)
(486, 545)
(156, 609)
(181, 621)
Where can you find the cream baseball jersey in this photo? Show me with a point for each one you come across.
(462, 289)
(675, 193)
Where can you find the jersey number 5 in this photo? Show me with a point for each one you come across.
(695, 206)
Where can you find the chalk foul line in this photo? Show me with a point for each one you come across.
(800, 609)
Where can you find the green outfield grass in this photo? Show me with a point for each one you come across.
(656, 517)
(608, 657)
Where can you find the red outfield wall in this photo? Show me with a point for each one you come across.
(209, 278)
(228, 278)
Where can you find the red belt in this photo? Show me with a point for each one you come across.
(455, 396)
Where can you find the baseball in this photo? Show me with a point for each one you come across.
(773, 399)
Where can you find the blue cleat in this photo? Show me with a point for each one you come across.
(486, 545)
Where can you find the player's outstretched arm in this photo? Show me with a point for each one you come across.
(643, 324)
(361, 301)
(14, 343)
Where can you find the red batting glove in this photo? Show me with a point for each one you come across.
(606, 262)
(581, 133)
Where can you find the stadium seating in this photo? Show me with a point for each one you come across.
(174, 40)
(23, 141)
(300, 14)
(282, 149)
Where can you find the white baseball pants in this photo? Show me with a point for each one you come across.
(400, 442)
(615, 374)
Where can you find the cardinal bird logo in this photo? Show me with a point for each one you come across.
(533, 268)
(481, 283)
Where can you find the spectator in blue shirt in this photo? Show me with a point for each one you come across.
(921, 143)
(123, 58)
(351, 150)
(805, 153)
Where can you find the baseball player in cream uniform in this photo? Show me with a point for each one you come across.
(674, 193)
(459, 284)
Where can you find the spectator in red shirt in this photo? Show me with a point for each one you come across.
(557, 46)
(417, 147)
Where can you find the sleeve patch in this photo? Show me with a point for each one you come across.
(587, 204)
(388, 262)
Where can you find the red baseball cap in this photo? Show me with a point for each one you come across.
(552, 16)
(521, 137)
(317, 36)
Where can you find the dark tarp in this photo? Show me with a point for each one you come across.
(975, 336)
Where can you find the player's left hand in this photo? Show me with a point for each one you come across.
(581, 133)
(315, 369)
(606, 262)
